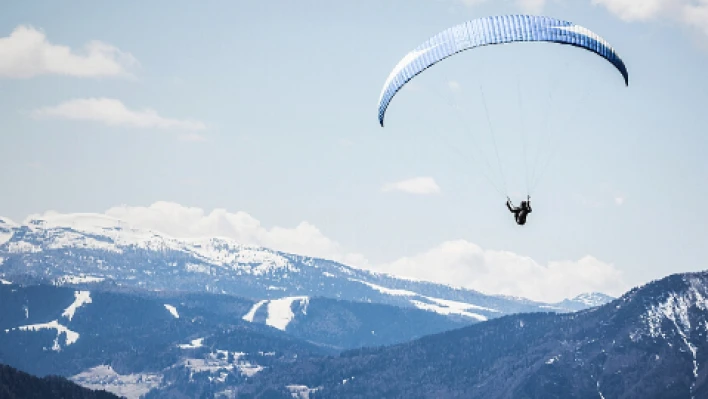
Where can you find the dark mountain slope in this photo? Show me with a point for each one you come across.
(651, 343)
(161, 342)
(15, 384)
(346, 325)
(131, 343)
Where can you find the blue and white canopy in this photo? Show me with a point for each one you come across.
(490, 31)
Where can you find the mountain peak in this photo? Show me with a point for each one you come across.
(76, 221)
(593, 299)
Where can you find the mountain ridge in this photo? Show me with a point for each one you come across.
(99, 248)
(652, 342)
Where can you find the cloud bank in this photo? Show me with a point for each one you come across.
(113, 112)
(691, 13)
(462, 263)
(27, 53)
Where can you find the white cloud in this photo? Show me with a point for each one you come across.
(417, 185)
(190, 222)
(632, 10)
(27, 53)
(693, 13)
(619, 201)
(465, 264)
(114, 113)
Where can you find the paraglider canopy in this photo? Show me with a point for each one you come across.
(492, 31)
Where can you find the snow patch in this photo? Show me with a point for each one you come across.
(131, 386)
(600, 392)
(81, 298)
(70, 336)
(172, 310)
(251, 313)
(384, 290)
(280, 312)
(81, 279)
(441, 306)
(448, 308)
(195, 343)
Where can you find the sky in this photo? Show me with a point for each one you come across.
(258, 121)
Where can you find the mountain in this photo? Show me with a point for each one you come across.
(105, 252)
(136, 342)
(346, 325)
(17, 384)
(133, 344)
(585, 301)
(650, 343)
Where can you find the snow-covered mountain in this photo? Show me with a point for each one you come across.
(96, 249)
(584, 301)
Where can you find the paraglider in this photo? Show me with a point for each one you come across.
(520, 212)
(489, 31)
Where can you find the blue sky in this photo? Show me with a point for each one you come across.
(163, 112)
